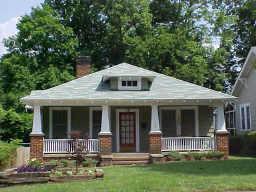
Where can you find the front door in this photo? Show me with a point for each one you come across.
(127, 131)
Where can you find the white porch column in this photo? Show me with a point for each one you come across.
(155, 127)
(155, 134)
(105, 120)
(105, 136)
(37, 121)
(222, 141)
(220, 124)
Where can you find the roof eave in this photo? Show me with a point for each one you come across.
(89, 102)
(250, 55)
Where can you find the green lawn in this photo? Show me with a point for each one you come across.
(232, 174)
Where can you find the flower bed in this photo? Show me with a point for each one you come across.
(55, 171)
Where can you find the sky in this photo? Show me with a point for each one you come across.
(10, 13)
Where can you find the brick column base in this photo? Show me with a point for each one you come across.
(105, 143)
(222, 143)
(36, 147)
(155, 143)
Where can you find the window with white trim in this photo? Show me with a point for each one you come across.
(129, 83)
(245, 117)
(230, 117)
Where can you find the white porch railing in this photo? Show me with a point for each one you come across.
(188, 143)
(65, 145)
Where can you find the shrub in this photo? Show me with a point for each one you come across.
(72, 163)
(64, 162)
(214, 155)
(34, 163)
(53, 162)
(175, 156)
(7, 154)
(243, 144)
(89, 162)
(69, 173)
(188, 156)
(236, 145)
(198, 155)
(58, 173)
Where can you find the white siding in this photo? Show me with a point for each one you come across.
(247, 95)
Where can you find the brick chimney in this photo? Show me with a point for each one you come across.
(83, 66)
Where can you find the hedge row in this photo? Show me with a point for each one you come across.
(243, 144)
(177, 156)
(7, 154)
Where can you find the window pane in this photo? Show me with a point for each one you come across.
(248, 117)
(231, 116)
(243, 117)
(227, 120)
(134, 83)
(124, 83)
(129, 83)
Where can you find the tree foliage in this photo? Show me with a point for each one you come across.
(245, 29)
(40, 56)
(14, 125)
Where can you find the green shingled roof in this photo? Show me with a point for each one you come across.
(163, 88)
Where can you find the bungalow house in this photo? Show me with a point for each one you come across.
(242, 115)
(126, 109)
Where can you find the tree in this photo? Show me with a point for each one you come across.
(14, 125)
(88, 21)
(40, 56)
(170, 53)
(17, 79)
(101, 26)
(245, 30)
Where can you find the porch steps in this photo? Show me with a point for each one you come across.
(130, 158)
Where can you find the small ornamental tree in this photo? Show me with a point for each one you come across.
(78, 147)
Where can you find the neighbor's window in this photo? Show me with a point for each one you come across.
(129, 83)
(245, 117)
(230, 119)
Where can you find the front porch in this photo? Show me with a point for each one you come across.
(126, 129)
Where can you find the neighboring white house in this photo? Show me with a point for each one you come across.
(243, 117)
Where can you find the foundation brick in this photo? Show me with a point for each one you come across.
(105, 144)
(222, 143)
(36, 147)
(155, 143)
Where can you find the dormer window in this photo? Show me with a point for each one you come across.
(129, 83)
